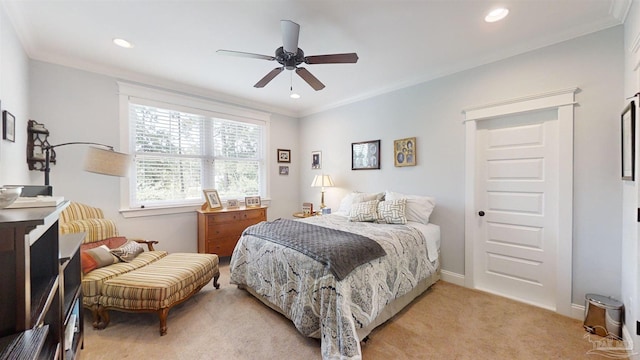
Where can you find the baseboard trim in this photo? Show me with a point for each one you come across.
(452, 277)
(577, 312)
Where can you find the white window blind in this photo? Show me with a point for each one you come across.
(178, 153)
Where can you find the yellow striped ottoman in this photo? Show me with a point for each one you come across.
(158, 286)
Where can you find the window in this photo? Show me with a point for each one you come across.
(179, 150)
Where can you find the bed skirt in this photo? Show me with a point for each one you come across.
(389, 311)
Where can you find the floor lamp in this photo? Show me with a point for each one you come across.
(101, 161)
(322, 181)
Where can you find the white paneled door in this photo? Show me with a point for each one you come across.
(517, 180)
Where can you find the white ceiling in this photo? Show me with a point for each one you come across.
(399, 43)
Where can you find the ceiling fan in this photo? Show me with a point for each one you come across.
(290, 56)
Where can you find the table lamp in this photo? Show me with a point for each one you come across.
(322, 181)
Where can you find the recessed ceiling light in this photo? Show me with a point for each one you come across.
(122, 43)
(496, 15)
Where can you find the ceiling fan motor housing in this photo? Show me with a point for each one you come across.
(289, 60)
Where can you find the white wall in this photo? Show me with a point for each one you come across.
(432, 112)
(77, 105)
(630, 190)
(14, 75)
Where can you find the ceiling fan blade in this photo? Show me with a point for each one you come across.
(265, 80)
(245, 54)
(290, 34)
(310, 79)
(349, 58)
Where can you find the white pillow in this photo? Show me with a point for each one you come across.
(364, 211)
(418, 207)
(356, 197)
(392, 211)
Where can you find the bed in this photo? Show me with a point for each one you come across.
(340, 311)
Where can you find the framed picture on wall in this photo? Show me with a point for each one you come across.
(284, 156)
(365, 155)
(316, 160)
(628, 130)
(8, 126)
(404, 152)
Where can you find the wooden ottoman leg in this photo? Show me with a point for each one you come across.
(215, 281)
(95, 316)
(104, 317)
(163, 314)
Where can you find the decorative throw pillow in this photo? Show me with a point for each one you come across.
(356, 197)
(392, 211)
(96, 258)
(364, 211)
(418, 207)
(111, 243)
(128, 251)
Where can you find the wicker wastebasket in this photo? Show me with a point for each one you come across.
(603, 315)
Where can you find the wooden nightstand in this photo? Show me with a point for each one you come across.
(219, 230)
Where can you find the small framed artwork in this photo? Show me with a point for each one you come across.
(8, 126)
(628, 126)
(233, 204)
(404, 152)
(365, 155)
(307, 209)
(316, 160)
(283, 170)
(284, 156)
(213, 200)
(252, 201)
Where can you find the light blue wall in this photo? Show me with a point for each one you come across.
(432, 112)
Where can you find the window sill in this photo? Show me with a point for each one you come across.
(169, 210)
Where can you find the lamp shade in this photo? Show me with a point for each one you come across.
(322, 181)
(106, 162)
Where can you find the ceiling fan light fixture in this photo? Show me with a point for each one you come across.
(123, 43)
(294, 95)
(496, 15)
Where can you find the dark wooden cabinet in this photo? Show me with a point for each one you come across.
(32, 300)
(219, 230)
(71, 287)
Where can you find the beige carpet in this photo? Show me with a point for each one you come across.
(447, 322)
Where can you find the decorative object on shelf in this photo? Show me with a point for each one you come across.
(628, 125)
(213, 200)
(99, 161)
(307, 209)
(316, 160)
(284, 156)
(322, 181)
(37, 136)
(252, 201)
(9, 194)
(283, 170)
(8, 126)
(233, 204)
(326, 211)
(365, 155)
(404, 152)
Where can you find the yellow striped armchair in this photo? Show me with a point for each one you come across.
(79, 217)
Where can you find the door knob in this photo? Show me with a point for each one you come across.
(481, 213)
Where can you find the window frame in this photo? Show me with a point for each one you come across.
(191, 104)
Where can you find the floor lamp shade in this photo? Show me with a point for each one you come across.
(106, 162)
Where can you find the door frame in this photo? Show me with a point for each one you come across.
(563, 102)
